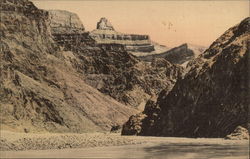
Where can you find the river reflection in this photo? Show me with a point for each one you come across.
(197, 151)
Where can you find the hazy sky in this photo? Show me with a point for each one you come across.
(167, 22)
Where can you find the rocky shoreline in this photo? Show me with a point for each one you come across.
(17, 142)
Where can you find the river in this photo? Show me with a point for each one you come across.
(155, 148)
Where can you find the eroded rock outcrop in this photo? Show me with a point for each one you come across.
(239, 133)
(106, 34)
(115, 72)
(213, 97)
(143, 122)
(104, 24)
(67, 28)
(64, 22)
(40, 90)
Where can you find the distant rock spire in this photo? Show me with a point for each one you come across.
(104, 24)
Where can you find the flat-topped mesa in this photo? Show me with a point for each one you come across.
(64, 22)
(106, 34)
(104, 24)
(178, 55)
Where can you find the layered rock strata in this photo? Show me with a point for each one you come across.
(106, 34)
(65, 22)
(179, 55)
(115, 72)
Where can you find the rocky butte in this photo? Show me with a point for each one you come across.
(106, 34)
(67, 25)
(212, 100)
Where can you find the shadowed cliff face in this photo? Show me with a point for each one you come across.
(211, 100)
(40, 90)
(115, 72)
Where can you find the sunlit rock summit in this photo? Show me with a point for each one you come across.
(106, 34)
(62, 21)
(104, 24)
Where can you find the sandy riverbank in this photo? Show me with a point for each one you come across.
(13, 141)
(29, 141)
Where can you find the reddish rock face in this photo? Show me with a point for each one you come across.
(212, 99)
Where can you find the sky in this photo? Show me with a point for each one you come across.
(169, 23)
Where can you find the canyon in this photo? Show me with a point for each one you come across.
(62, 86)
(56, 78)
(111, 69)
(211, 100)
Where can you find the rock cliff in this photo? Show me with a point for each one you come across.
(179, 55)
(40, 89)
(106, 34)
(115, 72)
(211, 100)
(65, 22)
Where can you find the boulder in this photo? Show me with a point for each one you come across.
(134, 125)
(240, 133)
